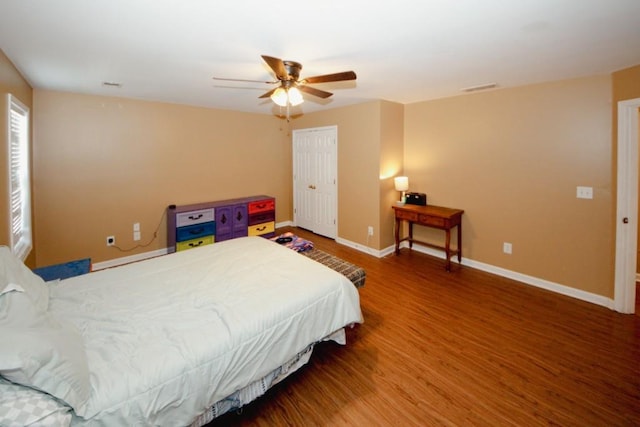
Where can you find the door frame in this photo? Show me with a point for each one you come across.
(627, 207)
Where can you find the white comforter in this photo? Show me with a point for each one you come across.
(168, 337)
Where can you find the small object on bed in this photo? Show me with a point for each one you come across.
(294, 242)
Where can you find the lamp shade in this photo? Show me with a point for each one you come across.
(295, 97)
(280, 97)
(289, 96)
(401, 183)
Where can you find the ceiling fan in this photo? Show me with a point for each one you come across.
(290, 84)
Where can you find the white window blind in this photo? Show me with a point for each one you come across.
(19, 181)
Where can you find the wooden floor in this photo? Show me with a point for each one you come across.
(464, 348)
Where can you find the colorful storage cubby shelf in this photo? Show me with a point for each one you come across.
(191, 226)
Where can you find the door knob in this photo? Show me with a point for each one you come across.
(625, 220)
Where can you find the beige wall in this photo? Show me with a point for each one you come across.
(391, 165)
(11, 82)
(103, 163)
(626, 85)
(512, 159)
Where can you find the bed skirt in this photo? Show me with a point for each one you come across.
(256, 389)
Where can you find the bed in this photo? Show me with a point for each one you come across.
(175, 340)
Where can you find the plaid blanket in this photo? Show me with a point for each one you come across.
(305, 247)
(354, 273)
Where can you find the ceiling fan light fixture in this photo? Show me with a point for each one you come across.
(280, 97)
(295, 97)
(290, 96)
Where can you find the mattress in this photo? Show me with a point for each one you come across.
(167, 338)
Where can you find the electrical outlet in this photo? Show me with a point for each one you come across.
(507, 248)
(136, 226)
(136, 236)
(584, 192)
(370, 231)
(111, 240)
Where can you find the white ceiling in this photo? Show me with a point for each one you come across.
(404, 51)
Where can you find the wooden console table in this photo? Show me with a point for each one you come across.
(434, 217)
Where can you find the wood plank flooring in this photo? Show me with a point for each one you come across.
(465, 348)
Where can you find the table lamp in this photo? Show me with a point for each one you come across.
(402, 185)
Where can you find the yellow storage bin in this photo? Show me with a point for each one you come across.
(194, 243)
(260, 229)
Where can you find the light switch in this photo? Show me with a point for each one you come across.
(584, 193)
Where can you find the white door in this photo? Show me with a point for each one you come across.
(303, 179)
(627, 206)
(315, 180)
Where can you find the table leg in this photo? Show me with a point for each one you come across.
(398, 225)
(447, 248)
(410, 234)
(460, 243)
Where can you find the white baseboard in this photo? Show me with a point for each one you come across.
(128, 259)
(362, 248)
(523, 278)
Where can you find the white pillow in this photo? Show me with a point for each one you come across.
(14, 272)
(47, 356)
(11, 287)
(39, 351)
(16, 308)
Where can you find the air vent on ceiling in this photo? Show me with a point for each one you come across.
(479, 87)
(112, 84)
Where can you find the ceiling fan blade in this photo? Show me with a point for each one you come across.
(315, 92)
(243, 80)
(336, 77)
(277, 66)
(268, 94)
